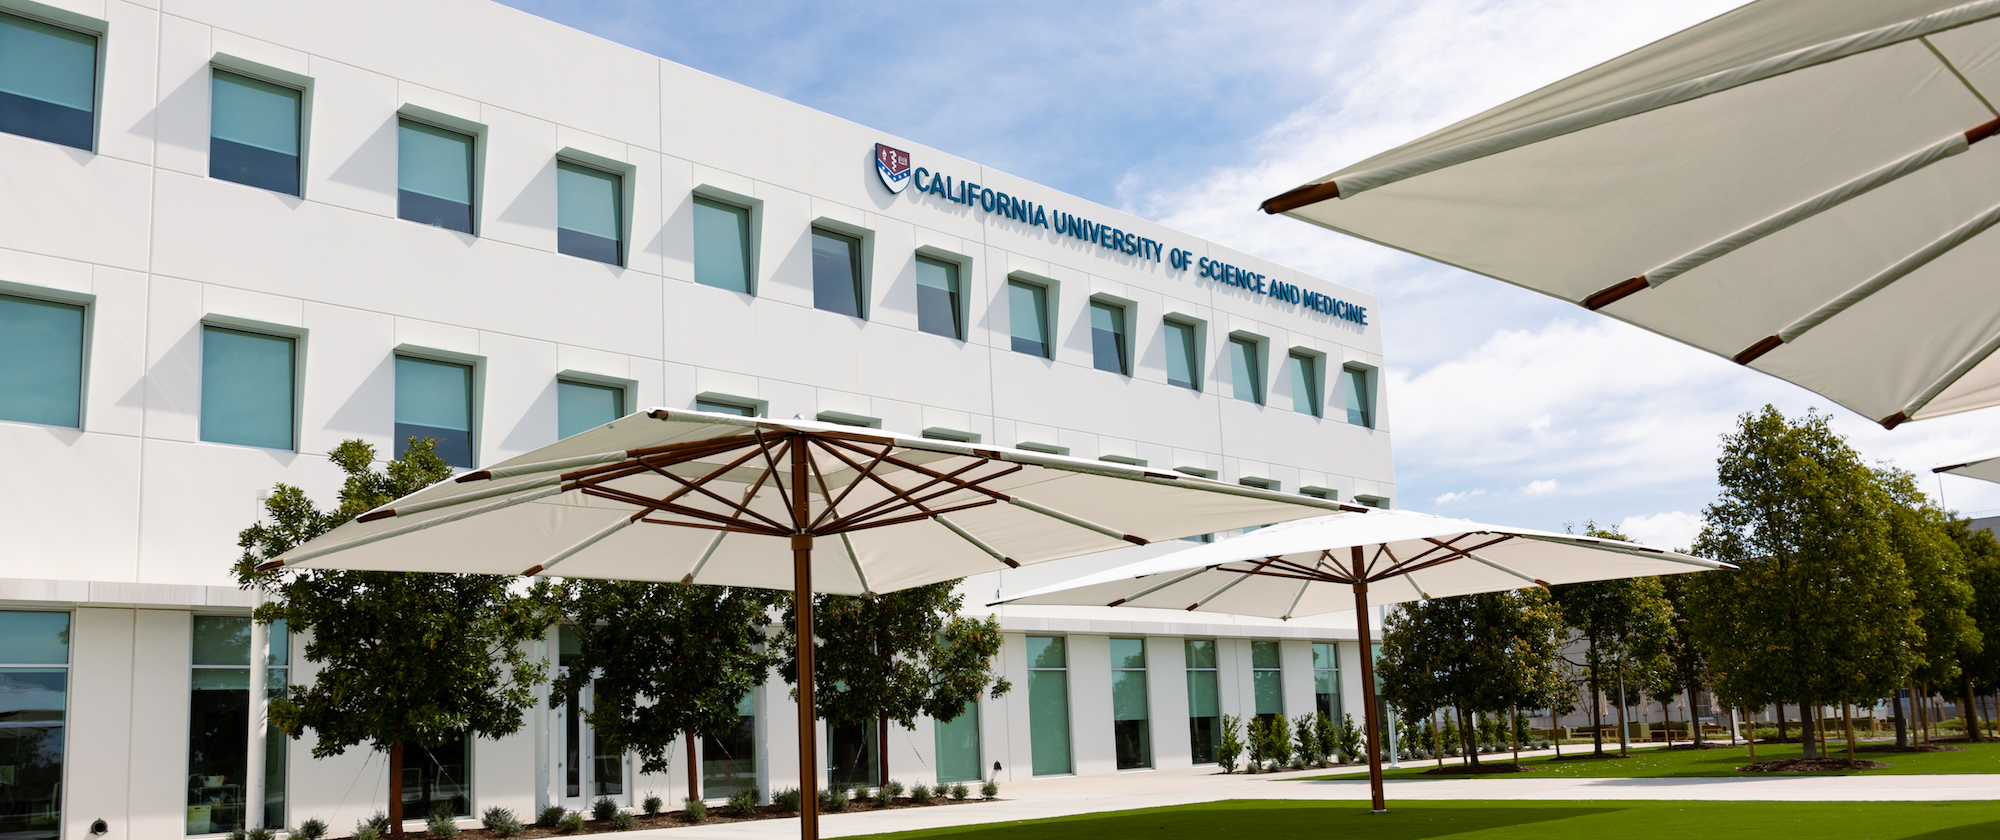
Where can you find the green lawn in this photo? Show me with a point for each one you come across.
(1657, 763)
(1282, 820)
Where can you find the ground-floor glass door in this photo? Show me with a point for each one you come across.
(586, 769)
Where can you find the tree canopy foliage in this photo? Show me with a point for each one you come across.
(1487, 653)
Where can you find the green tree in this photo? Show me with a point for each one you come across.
(662, 659)
(1624, 624)
(896, 656)
(1820, 611)
(1475, 653)
(1940, 590)
(405, 659)
(1981, 669)
(1682, 668)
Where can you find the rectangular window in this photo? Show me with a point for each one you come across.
(1246, 376)
(219, 725)
(1326, 679)
(590, 208)
(1204, 706)
(721, 245)
(438, 778)
(714, 407)
(1048, 705)
(1267, 680)
(582, 406)
(1107, 337)
(937, 298)
(606, 766)
(729, 762)
(48, 82)
(1129, 730)
(253, 132)
(434, 176)
(247, 388)
(1355, 391)
(1028, 317)
(1183, 355)
(41, 361)
(850, 759)
(836, 272)
(1304, 375)
(958, 746)
(434, 400)
(34, 677)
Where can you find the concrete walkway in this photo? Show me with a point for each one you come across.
(1146, 789)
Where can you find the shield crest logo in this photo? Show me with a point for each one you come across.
(894, 167)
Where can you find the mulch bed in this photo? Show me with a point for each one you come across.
(1705, 745)
(1589, 756)
(1481, 769)
(1814, 765)
(1892, 748)
(672, 819)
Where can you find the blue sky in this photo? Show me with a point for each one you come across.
(1506, 406)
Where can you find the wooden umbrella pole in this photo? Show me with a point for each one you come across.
(694, 772)
(802, 610)
(1369, 723)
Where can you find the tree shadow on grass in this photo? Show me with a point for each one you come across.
(1272, 820)
(1982, 831)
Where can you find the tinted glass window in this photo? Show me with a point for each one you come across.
(254, 132)
(581, 406)
(588, 207)
(1354, 390)
(48, 82)
(41, 362)
(937, 298)
(246, 388)
(1183, 360)
(721, 245)
(1304, 378)
(1028, 317)
(1246, 377)
(1107, 337)
(725, 408)
(434, 400)
(836, 273)
(434, 176)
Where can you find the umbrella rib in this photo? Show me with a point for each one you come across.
(865, 472)
(1152, 589)
(1467, 554)
(454, 501)
(1295, 601)
(907, 498)
(1640, 103)
(976, 542)
(848, 544)
(1779, 221)
(857, 521)
(921, 514)
(543, 466)
(637, 500)
(1957, 371)
(699, 486)
(413, 527)
(680, 453)
(1218, 592)
(586, 542)
(706, 553)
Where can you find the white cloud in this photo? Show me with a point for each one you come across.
(1540, 487)
(1456, 496)
(1673, 529)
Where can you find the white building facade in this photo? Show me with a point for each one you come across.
(233, 235)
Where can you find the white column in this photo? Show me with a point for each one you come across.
(1388, 717)
(260, 718)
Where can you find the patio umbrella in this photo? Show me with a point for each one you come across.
(1985, 469)
(746, 501)
(1801, 186)
(1335, 564)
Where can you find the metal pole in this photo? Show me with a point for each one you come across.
(1369, 724)
(260, 720)
(802, 610)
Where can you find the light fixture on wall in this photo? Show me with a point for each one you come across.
(99, 829)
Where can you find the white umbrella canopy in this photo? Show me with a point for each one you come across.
(1985, 469)
(743, 502)
(1340, 563)
(1801, 186)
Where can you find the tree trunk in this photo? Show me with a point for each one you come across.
(396, 789)
(1624, 729)
(1971, 707)
(1807, 736)
(1514, 731)
(1902, 722)
(882, 750)
(1596, 701)
(1468, 737)
(694, 772)
(1437, 737)
(1784, 732)
(1847, 719)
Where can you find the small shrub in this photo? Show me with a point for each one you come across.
(379, 822)
(787, 800)
(1232, 743)
(550, 817)
(990, 790)
(653, 804)
(501, 821)
(626, 820)
(888, 793)
(603, 808)
(694, 810)
(441, 823)
(571, 823)
(259, 833)
(364, 831)
(833, 800)
(920, 793)
(959, 792)
(742, 803)
(312, 829)
(1350, 739)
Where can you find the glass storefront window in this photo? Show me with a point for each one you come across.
(219, 726)
(1204, 706)
(958, 746)
(1266, 680)
(1130, 733)
(1048, 705)
(1326, 679)
(850, 759)
(729, 761)
(34, 679)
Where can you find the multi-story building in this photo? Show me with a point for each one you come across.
(233, 235)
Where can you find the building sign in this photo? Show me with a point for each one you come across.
(889, 162)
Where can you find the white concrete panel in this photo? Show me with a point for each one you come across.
(1090, 741)
(351, 154)
(161, 668)
(115, 381)
(99, 727)
(200, 495)
(1296, 657)
(350, 381)
(519, 195)
(69, 203)
(126, 125)
(1167, 701)
(1016, 752)
(173, 360)
(182, 118)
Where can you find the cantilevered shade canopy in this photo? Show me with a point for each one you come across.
(1986, 469)
(897, 511)
(1307, 568)
(1803, 186)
